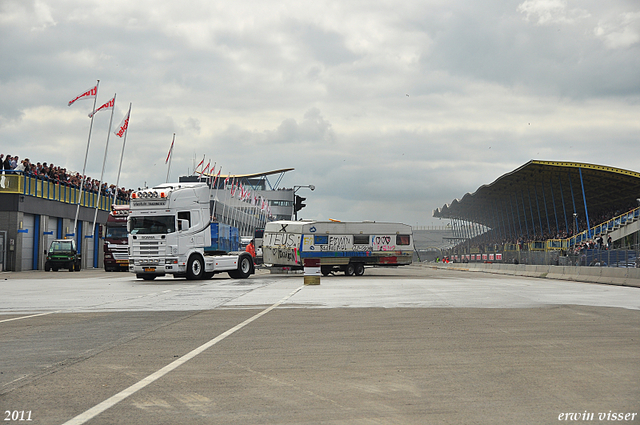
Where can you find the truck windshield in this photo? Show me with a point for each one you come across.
(116, 232)
(152, 225)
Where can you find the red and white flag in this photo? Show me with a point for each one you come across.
(198, 166)
(124, 125)
(87, 94)
(217, 176)
(170, 149)
(108, 105)
(206, 168)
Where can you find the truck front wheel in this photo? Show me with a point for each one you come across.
(195, 268)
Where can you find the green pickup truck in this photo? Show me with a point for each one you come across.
(62, 254)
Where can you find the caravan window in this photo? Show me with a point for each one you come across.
(403, 239)
(361, 239)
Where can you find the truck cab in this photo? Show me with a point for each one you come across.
(116, 253)
(170, 232)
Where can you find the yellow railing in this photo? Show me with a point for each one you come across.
(536, 246)
(606, 227)
(555, 244)
(39, 188)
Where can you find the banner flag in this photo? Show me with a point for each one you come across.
(198, 166)
(217, 177)
(108, 105)
(124, 125)
(87, 94)
(170, 150)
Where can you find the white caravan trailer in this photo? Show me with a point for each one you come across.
(340, 246)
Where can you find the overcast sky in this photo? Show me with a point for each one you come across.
(390, 109)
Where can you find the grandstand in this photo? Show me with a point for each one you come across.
(550, 212)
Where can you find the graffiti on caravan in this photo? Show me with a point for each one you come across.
(340, 243)
(365, 248)
(288, 240)
(280, 254)
(382, 243)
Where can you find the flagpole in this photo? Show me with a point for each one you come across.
(224, 204)
(124, 142)
(104, 161)
(84, 168)
(195, 171)
(170, 157)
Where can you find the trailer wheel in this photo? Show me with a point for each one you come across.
(350, 269)
(195, 268)
(359, 269)
(325, 270)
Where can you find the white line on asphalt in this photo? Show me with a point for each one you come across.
(26, 317)
(113, 400)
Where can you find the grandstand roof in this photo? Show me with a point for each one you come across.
(252, 175)
(543, 193)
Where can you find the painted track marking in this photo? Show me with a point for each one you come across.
(26, 317)
(115, 399)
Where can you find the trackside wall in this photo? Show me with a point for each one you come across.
(605, 275)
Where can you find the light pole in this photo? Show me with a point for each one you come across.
(297, 200)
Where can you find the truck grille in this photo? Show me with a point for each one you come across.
(120, 252)
(147, 249)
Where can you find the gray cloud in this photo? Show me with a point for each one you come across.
(323, 88)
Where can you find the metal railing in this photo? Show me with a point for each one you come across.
(46, 189)
(606, 227)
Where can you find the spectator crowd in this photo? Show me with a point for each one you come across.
(49, 172)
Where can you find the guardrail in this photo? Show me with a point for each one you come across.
(54, 191)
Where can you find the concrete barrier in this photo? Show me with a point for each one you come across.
(604, 275)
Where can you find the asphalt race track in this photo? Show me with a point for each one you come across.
(411, 345)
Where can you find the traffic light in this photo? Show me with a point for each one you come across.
(299, 203)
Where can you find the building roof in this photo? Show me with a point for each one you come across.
(253, 175)
(543, 193)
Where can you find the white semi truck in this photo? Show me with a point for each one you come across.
(170, 233)
(339, 246)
